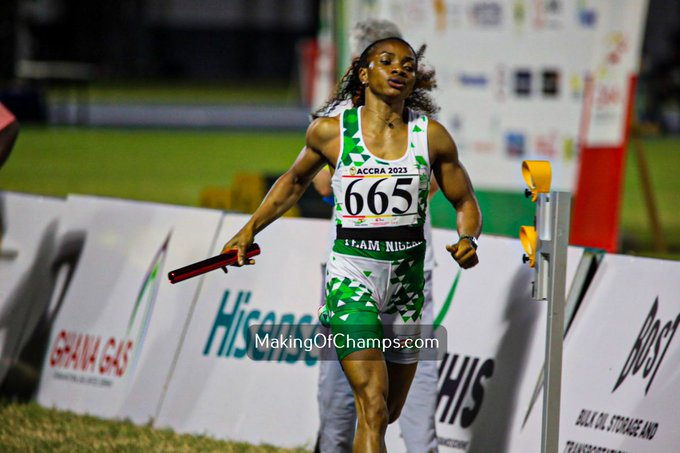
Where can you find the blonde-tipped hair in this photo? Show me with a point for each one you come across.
(366, 32)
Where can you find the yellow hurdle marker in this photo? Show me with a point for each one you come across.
(538, 176)
(529, 240)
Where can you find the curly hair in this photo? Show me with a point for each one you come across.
(350, 86)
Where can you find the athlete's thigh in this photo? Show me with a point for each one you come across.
(366, 372)
(352, 300)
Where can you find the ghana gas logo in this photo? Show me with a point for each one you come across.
(138, 323)
(84, 357)
(649, 348)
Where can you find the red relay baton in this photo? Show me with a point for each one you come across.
(216, 262)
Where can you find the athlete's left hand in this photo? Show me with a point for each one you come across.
(464, 253)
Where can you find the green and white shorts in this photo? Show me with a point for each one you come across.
(374, 296)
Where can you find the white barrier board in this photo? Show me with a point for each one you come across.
(496, 339)
(115, 336)
(218, 390)
(120, 327)
(621, 380)
(496, 345)
(28, 244)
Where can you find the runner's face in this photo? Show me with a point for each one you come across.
(391, 69)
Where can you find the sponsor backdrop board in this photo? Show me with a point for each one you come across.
(511, 75)
(116, 334)
(615, 60)
(122, 335)
(216, 389)
(496, 345)
(621, 361)
(28, 245)
(608, 108)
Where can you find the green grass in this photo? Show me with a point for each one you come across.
(167, 166)
(274, 92)
(31, 428)
(663, 160)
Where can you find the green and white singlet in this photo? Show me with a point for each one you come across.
(374, 277)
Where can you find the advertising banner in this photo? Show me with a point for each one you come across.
(29, 276)
(615, 62)
(120, 341)
(510, 78)
(216, 388)
(487, 378)
(511, 74)
(115, 336)
(496, 346)
(621, 361)
(607, 111)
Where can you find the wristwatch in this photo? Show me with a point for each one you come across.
(472, 239)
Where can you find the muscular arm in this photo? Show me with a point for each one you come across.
(288, 189)
(455, 184)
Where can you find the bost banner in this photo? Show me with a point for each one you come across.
(621, 380)
(496, 345)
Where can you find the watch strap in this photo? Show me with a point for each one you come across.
(472, 239)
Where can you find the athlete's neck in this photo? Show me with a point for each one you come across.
(385, 114)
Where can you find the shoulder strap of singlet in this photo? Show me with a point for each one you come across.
(352, 151)
(418, 128)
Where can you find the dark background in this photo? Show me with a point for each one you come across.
(246, 40)
(197, 39)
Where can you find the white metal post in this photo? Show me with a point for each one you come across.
(552, 227)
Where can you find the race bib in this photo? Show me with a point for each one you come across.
(379, 196)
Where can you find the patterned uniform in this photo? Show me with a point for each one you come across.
(374, 277)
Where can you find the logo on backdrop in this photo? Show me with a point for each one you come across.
(548, 14)
(231, 330)
(462, 377)
(550, 82)
(515, 143)
(97, 359)
(146, 300)
(473, 80)
(547, 144)
(649, 348)
(486, 14)
(586, 16)
(522, 82)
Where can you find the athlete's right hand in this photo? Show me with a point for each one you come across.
(241, 242)
(464, 253)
